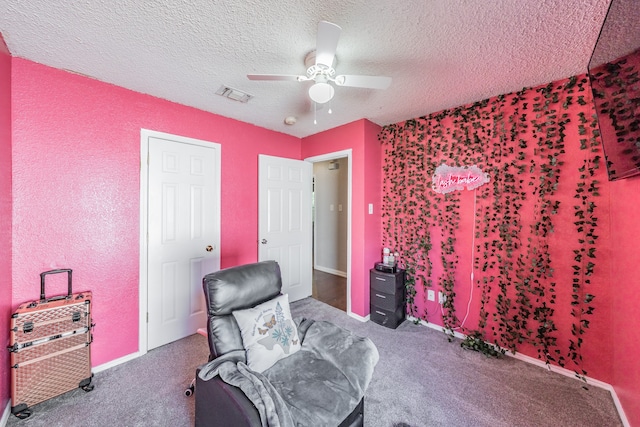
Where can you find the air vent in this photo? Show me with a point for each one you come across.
(234, 94)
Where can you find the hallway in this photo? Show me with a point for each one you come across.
(330, 289)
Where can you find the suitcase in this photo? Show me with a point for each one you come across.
(50, 345)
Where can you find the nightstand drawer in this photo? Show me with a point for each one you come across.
(390, 319)
(387, 282)
(385, 301)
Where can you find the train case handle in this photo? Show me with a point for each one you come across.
(60, 270)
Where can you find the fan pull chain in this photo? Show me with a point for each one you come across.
(315, 113)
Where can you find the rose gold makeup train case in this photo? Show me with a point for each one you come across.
(50, 345)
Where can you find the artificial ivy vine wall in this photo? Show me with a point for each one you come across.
(616, 88)
(532, 250)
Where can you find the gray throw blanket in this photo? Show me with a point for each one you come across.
(317, 386)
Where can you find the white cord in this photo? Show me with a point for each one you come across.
(473, 248)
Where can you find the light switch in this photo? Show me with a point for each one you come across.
(340, 208)
(332, 207)
(370, 208)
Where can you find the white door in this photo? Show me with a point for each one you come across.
(284, 230)
(183, 235)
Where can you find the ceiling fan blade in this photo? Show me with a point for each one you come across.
(369, 82)
(327, 43)
(285, 77)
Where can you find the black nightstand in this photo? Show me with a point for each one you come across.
(387, 298)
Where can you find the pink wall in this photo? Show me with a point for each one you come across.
(625, 304)
(373, 195)
(482, 128)
(360, 136)
(625, 229)
(5, 216)
(76, 167)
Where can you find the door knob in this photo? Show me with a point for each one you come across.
(264, 241)
(209, 248)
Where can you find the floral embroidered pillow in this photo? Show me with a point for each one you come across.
(268, 333)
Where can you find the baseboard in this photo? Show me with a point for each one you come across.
(557, 369)
(116, 362)
(331, 271)
(623, 416)
(434, 326)
(567, 373)
(542, 364)
(5, 415)
(358, 317)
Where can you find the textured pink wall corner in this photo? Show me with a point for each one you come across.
(353, 136)
(5, 216)
(76, 177)
(625, 285)
(372, 195)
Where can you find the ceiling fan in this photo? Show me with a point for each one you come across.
(320, 63)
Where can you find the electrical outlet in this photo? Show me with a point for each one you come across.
(431, 295)
(441, 297)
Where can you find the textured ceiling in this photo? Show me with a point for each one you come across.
(440, 53)
(620, 33)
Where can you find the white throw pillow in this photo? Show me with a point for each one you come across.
(268, 333)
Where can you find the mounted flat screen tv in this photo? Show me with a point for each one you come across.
(614, 71)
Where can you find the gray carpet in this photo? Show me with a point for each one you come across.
(421, 380)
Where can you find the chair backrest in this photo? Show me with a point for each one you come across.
(236, 288)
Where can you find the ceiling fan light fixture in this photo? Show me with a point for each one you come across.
(321, 92)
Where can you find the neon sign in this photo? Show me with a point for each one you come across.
(449, 178)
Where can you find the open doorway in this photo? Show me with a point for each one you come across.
(331, 231)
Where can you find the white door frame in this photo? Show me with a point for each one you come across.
(332, 156)
(145, 134)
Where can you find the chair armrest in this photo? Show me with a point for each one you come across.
(210, 369)
(219, 404)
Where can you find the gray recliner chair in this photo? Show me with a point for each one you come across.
(323, 383)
